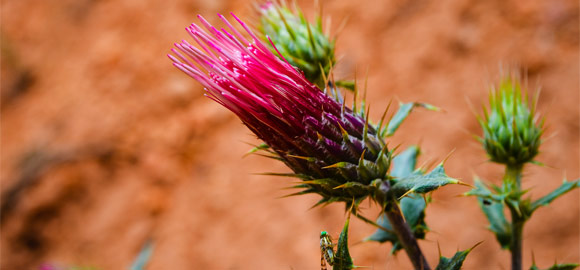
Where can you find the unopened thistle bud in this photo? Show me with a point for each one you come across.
(511, 131)
(304, 45)
(333, 150)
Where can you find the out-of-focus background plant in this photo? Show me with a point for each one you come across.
(106, 148)
(512, 136)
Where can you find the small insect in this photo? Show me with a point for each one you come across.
(326, 250)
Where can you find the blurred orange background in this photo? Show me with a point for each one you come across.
(106, 145)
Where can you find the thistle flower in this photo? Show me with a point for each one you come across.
(333, 150)
(511, 132)
(303, 45)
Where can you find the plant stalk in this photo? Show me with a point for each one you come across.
(517, 241)
(513, 175)
(406, 237)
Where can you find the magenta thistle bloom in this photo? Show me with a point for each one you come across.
(335, 151)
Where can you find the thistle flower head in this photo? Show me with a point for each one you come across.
(305, 46)
(511, 132)
(335, 151)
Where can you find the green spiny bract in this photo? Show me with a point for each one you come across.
(302, 44)
(342, 159)
(511, 132)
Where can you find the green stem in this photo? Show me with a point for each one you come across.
(513, 177)
(406, 236)
(517, 241)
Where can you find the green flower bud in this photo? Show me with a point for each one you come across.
(511, 131)
(303, 45)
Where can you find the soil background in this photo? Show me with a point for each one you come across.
(106, 146)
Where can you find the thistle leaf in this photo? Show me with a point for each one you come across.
(143, 257)
(556, 266)
(342, 259)
(413, 208)
(455, 262)
(497, 221)
(484, 193)
(404, 111)
(370, 222)
(493, 208)
(382, 236)
(561, 190)
(419, 183)
(404, 163)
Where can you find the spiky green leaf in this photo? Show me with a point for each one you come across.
(404, 111)
(143, 257)
(556, 266)
(382, 236)
(455, 262)
(419, 183)
(342, 259)
(413, 208)
(405, 162)
(494, 211)
(493, 208)
(484, 193)
(561, 190)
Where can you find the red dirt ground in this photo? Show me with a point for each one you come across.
(105, 145)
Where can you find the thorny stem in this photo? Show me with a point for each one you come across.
(403, 231)
(513, 175)
(406, 237)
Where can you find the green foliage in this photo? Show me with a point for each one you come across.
(561, 190)
(493, 208)
(492, 203)
(483, 192)
(422, 183)
(498, 224)
(348, 85)
(404, 111)
(143, 257)
(455, 262)
(413, 206)
(302, 44)
(556, 266)
(342, 259)
(511, 132)
(404, 163)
